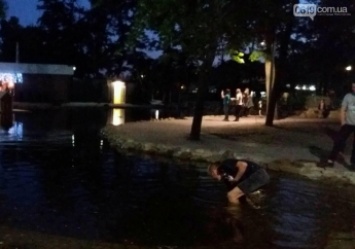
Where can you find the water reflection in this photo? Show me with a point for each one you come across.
(61, 178)
(300, 211)
(6, 120)
(118, 116)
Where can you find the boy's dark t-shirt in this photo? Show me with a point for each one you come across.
(228, 168)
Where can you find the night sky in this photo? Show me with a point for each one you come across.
(26, 10)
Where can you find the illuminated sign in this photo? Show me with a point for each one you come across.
(11, 78)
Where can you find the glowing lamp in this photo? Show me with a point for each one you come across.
(156, 114)
(348, 68)
(119, 92)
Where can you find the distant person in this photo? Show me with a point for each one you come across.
(239, 104)
(323, 110)
(247, 102)
(242, 177)
(347, 121)
(226, 97)
(260, 107)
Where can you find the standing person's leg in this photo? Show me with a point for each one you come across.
(226, 112)
(248, 111)
(245, 110)
(238, 109)
(339, 142)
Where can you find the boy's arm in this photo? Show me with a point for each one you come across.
(242, 166)
(342, 115)
(343, 109)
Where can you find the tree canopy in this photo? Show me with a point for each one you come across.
(194, 36)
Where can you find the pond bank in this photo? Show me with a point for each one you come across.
(295, 145)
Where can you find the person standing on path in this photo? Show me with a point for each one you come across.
(247, 102)
(347, 120)
(226, 103)
(239, 104)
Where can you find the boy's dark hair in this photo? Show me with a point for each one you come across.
(212, 165)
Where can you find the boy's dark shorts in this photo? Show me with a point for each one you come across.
(255, 181)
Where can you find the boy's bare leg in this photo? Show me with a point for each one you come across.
(234, 195)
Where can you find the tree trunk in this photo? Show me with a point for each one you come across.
(199, 108)
(270, 89)
(201, 93)
(275, 84)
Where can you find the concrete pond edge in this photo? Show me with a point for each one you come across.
(308, 169)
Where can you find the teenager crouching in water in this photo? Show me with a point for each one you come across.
(242, 177)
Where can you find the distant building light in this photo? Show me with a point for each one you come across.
(288, 85)
(304, 88)
(312, 88)
(156, 114)
(119, 92)
(348, 68)
(74, 68)
(298, 87)
(213, 90)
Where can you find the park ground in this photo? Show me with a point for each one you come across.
(295, 144)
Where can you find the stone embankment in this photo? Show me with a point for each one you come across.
(294, 145)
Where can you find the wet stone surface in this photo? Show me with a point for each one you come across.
(62, 186)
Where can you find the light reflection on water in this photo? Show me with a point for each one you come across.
(118, 116)
(61, 178)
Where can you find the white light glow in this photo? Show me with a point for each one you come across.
(304, 88)
(298, 87)
(9, 79)
(118, 117)
(119, 92)
(156, 114)
(312, 88)
(348, 68)
(17, 129)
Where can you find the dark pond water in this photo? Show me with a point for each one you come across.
(58, 177)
